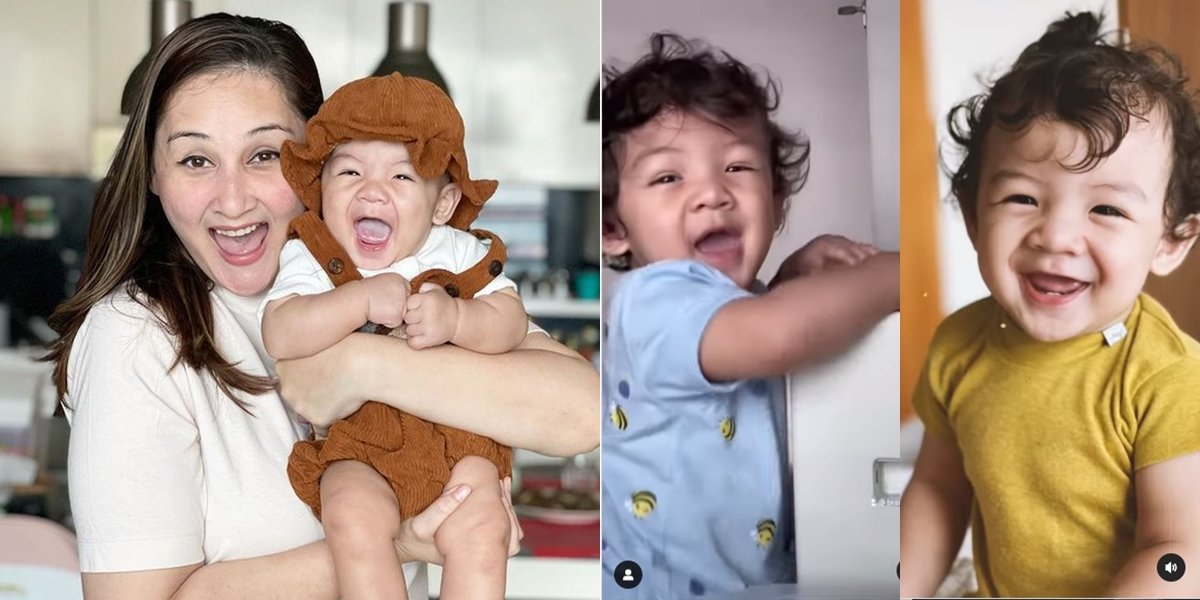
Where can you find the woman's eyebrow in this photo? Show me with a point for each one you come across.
(189, 134)
(251, 133)
(266, 128)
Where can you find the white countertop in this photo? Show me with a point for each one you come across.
(531, 578)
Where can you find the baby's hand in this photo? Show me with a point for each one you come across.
(432, 317)
(823, 253)
(387, 295)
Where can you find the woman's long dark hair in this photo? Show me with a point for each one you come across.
(130, 243)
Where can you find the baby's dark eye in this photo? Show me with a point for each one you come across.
(738, 168)
(195, 162)
(1105, 210)
(402, 177)
(662, 179)
(1021, 199)
(349, 172)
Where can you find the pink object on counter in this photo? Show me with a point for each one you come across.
(36, 541)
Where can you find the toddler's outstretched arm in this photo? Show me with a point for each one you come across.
(934, 513)
(1168, 521)
(800, 321)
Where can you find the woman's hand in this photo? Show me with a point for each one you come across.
(823, 253)
(320, 388)
(414, 541)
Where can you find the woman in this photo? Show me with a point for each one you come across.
(179, 442)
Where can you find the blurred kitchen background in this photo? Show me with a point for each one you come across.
(524, 74)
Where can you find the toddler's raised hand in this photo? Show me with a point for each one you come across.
(823, 253)
(387, 296)
(431, 318)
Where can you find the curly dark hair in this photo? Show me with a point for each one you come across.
(1073, 75)
(689, 76)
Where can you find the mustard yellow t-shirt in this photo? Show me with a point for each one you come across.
(1051, 435)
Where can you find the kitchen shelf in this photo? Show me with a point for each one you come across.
(562, 309)
(536, 578)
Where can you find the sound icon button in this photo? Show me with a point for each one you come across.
(1171, 567)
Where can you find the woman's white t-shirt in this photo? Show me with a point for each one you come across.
(166, 471)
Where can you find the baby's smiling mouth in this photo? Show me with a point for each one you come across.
(372, 233)
(720, 241)
(1049, 288)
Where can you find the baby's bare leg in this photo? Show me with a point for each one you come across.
(361, 518)
(474, 538)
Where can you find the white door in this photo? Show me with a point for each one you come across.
(845, 415)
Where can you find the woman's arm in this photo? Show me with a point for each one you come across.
(540, 396)
(301, 573)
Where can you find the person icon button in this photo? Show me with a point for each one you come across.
(628, 574)
(1171, 567)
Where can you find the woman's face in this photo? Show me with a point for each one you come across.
(216, 169)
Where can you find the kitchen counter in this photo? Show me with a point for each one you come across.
(534, 578)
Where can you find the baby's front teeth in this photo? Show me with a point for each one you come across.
(239, 232)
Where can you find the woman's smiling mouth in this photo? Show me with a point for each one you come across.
(240, 245)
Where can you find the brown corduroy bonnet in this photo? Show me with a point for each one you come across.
(392, 108)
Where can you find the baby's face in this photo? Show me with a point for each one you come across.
(375, 204)
(1066, 253)
(693, 189)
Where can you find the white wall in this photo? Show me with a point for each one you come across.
(820, 60)
(45, 77)
(966, 40)
(883, 64)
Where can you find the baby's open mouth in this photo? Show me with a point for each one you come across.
(720, 241)
(1052, 289)
(372, 234)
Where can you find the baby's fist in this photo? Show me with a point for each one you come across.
(387, 295)
(431, 317)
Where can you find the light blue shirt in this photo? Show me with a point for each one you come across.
(696, 486)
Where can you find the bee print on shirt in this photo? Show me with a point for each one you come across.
(728, 428)
(765, 533)
(643, 503)
(618, 418)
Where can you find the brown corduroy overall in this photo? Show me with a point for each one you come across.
(414, 455)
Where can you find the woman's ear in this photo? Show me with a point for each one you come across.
(153, 180)
(1171, 251)
(448, 199)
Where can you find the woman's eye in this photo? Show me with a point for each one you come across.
(1105, 210)
(1021, 199)
(663, 179)
(195, 162)
(265, 156)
